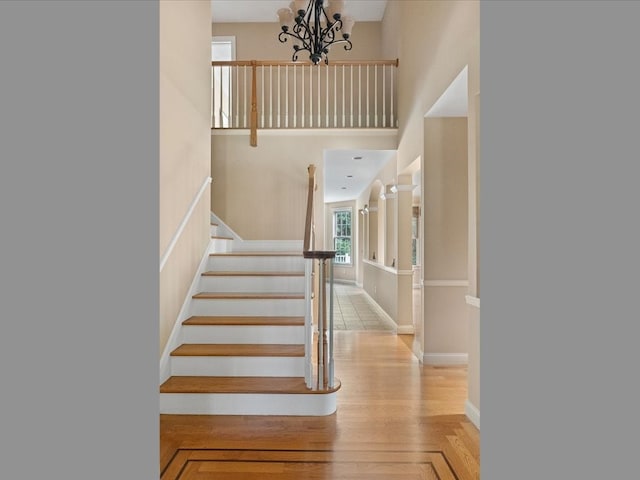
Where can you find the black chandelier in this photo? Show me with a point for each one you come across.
(314, 28)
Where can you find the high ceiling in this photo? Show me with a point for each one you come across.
(232, 11)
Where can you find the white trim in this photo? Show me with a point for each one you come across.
(267, 246)
(372, 209)
(229, 231)
(183, 224)
(405, 330)
(305, 404)
(359, 285)
(344, 281)
(381, 266)
(328, 132)
(472, 413)
(445, 358)
(405, 272)
(473, 301)
(382, 312)
(174, 337)
(402, 188)
(446, 283)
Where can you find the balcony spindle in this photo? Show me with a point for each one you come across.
(375, 95)
(351, 95)
(384, 96)
(326, 97)
(310, 97)
(319, 100)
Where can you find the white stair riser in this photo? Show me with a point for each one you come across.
(247, 404)
(220, 245)
(267, 246)
(248, 307)
(214, 230)
(288, 284)
(256, 263)
(238, 366)
(252, 334)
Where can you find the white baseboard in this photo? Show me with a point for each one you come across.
(359, 285)
(472, 413)
(445, 358)
(405, 330)
(267, 245)
(174, 339)
(344, 282)
(473, 301)
(381, 311)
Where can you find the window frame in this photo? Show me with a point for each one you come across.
(334, 218)
(222, 78)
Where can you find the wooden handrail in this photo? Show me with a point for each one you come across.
(308, 226)
(276, 63)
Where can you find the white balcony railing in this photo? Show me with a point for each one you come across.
(274, 95)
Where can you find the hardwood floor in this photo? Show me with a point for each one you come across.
(396, 419)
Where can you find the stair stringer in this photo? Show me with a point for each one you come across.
(224, 229)
(185, 312)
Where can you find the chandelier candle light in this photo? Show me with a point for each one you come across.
(314, 28)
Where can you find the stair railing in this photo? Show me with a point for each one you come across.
(270, 94)
(324, 373)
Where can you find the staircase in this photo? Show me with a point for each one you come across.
(242, 348)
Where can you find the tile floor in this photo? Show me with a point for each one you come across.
(353, 310)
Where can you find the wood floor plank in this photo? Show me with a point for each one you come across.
(244, 320)
(236, 273)
(256, 254)
(237, 350)
(201, 384)
(388, 402)
(248, 296)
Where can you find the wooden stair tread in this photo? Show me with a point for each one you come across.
(219, 237)
(271, 385)
(236, 273)
(245, 320)
(256, 254)
(249, 295)
(237, 350)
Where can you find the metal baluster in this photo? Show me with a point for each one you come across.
(331, 364)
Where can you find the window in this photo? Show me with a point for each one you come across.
(222, 48)
(342, 236)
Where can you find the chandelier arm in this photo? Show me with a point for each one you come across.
(312, 37)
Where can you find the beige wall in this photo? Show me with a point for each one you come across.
(185, 149)
(444, 177)
(259, 41)
(261, 192)
(434, 41)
